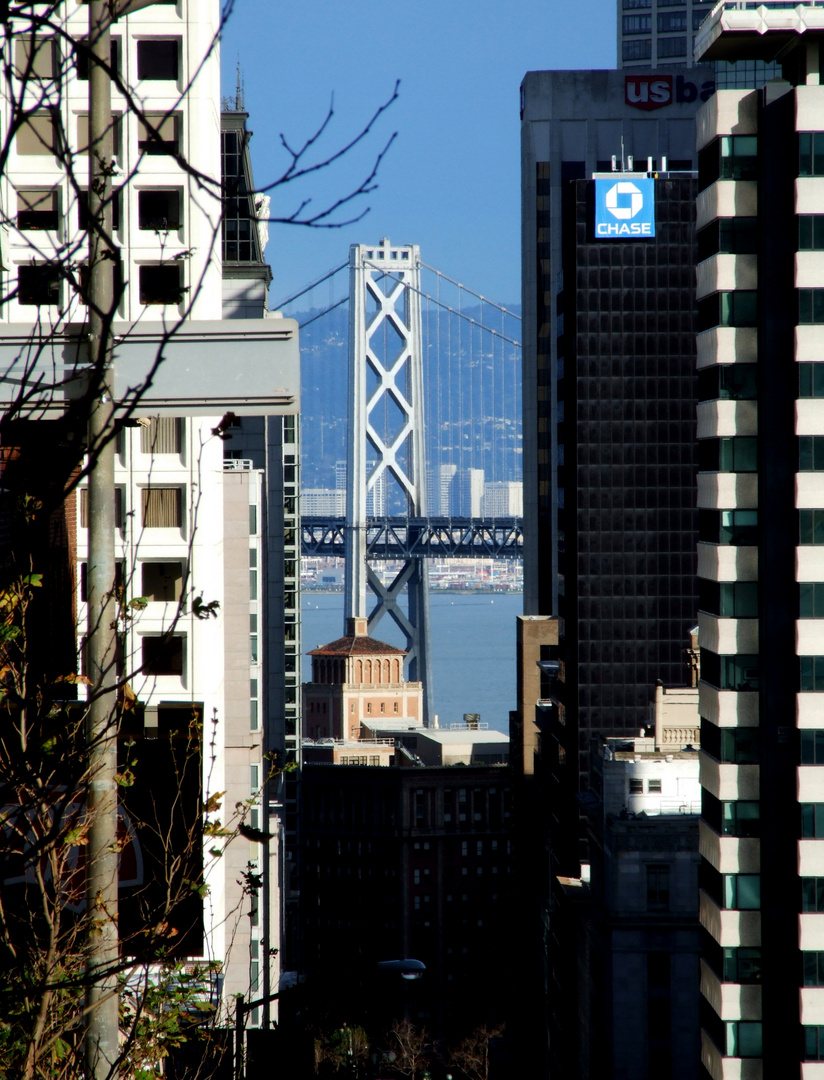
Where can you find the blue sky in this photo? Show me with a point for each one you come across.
(450, 181)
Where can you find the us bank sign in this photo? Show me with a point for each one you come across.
(624, 209)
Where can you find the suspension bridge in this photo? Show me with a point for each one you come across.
(432, 461)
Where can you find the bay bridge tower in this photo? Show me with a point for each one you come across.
(386, 428)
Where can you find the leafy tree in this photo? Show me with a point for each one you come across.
(345, 1050)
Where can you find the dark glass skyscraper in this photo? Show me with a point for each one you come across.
(627, 523)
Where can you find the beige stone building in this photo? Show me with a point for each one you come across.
(357, 678)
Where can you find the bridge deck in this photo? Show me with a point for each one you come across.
(433, 537)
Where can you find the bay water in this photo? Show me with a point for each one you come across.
(472, 642)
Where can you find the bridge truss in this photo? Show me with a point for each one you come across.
(407, 538)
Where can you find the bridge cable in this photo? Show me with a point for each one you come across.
(320, 314)
(452, 311)
(320, 281)
(465, 289)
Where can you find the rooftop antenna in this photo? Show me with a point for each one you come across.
(623, 164)
(240, 90)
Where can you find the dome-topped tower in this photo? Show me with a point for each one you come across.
(356, 678)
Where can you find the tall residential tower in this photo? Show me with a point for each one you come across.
(760, 216)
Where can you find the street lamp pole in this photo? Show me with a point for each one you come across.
(101, 1041)
(102, 1028)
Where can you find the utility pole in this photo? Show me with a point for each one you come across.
(102, 945)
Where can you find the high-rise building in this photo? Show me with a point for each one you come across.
(503, 498)
(192, 526)
(661, 34)
(626, 442)
(760, 564)
(472, 493)
(446, 489)
(573, 124)
(375, 493)
(609, 393)
(267, 450)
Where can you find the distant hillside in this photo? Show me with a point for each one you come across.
(472, 382)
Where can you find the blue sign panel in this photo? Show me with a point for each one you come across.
(624, 209)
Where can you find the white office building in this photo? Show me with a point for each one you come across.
(200, 517)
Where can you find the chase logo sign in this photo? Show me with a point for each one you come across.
(624, 209)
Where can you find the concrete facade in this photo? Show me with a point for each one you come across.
(188, 526)
(759, 553)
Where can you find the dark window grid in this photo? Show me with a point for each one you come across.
(810, 306)
(811, 453)
(637, 24)
(38, 209)
(736, 453)
(810, 380)
(742, 818)
(163, 655)
(742, 892)
(671, 22)
(744, 1038)
(813, 1043)
(811, 600)
(812, 894)
(812, 742)
(812, 821)
(638, 49)
(811, 153)
(811, 673)
(732, 382)
(159, 59)
(811, 232)
(736, 672)
(734, 236)
(737, 308)
(734, 527)
(161, 284)
(811, 526)
(38, 285)
(738, 157)
(159, 133)
(742, 965)
(160, 209)
(671, 46)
